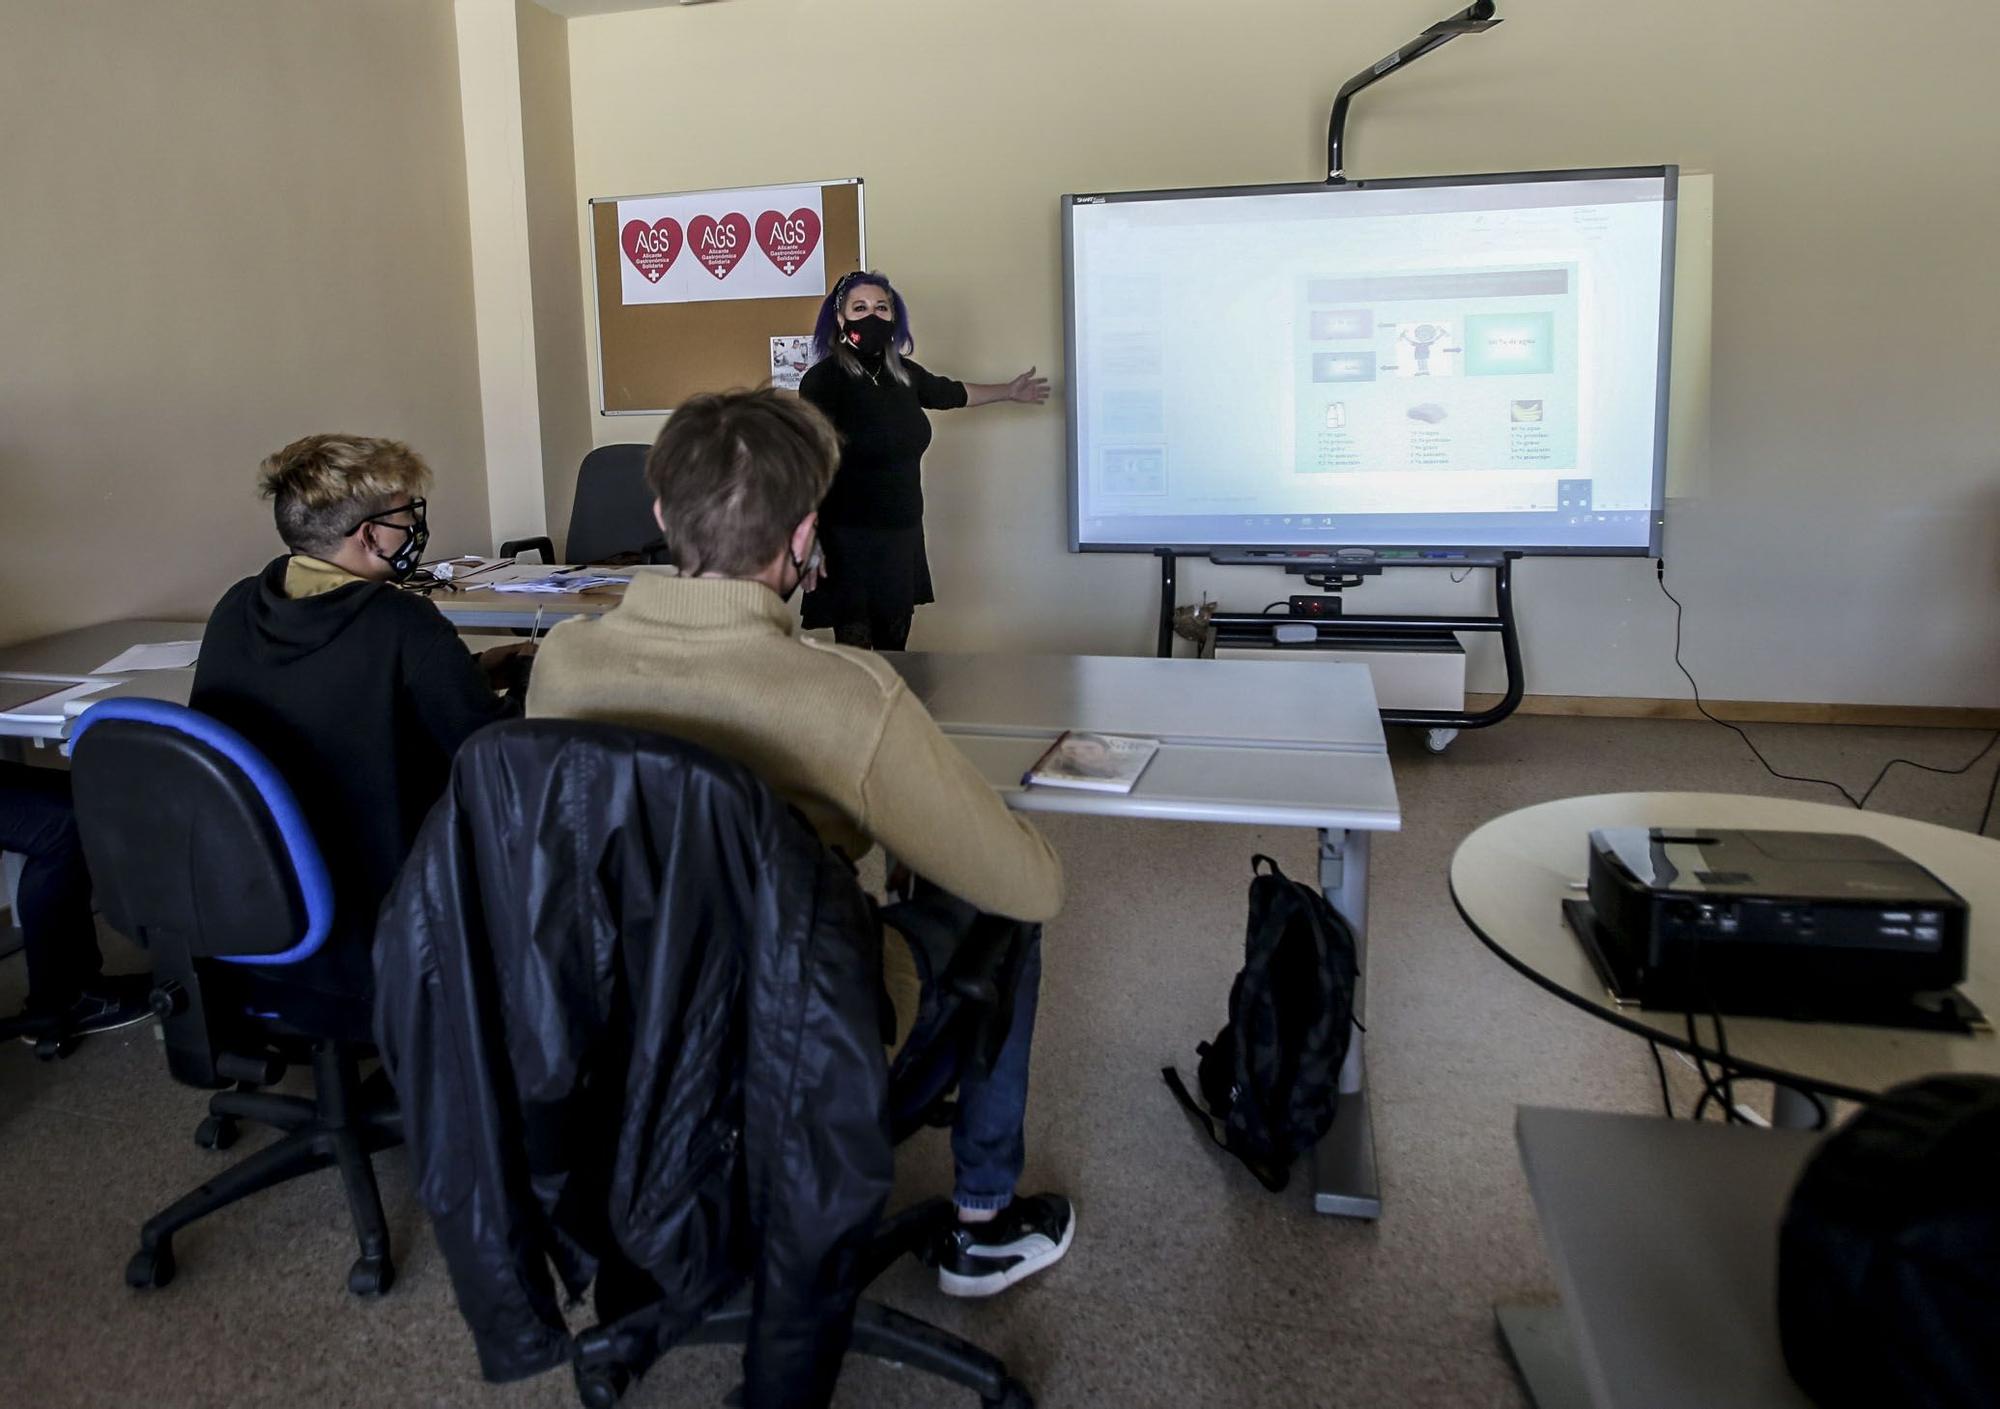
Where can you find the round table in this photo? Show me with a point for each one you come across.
(1510, 877)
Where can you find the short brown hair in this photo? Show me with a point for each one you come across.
(321, 487)
(735, 472)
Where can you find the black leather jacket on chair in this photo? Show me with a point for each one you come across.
(630, 1006)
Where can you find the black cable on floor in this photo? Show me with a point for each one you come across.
(1660, 571)
(1730, 1112)
(1933, 768)
(1992, 788)
(1666, 1096)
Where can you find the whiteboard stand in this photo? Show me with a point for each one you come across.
(1337, 630)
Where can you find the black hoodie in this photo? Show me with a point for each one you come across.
(359, 697)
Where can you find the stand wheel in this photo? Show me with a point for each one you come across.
(151, 1268)
(49, 1049)
(371, 1276)
(1013, 1395)
(217, 1132)
(603, 1386)
(1438, 740)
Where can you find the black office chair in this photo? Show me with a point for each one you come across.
(970, 954)
(199, 852)
(611, 516)
(640, 788)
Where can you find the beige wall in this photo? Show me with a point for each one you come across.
(1841, 544)
(225, 225)
(555, 264)
(489, 84)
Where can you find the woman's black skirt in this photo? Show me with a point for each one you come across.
(872, 574)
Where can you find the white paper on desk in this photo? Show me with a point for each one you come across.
(459, 569)
(55, 706)
(154, 655)
(555, 586)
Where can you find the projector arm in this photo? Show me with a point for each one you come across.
(1473, 19)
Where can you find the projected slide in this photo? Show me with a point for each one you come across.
(1458, 364)
(1459, 370)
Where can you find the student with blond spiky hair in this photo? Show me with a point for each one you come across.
(357, 692)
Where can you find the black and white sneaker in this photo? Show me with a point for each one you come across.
(105, 1005)
(980, 1259)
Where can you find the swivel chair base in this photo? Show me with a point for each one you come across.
(603, 1370)
(346, 1122)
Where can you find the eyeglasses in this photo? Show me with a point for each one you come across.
(415, 506)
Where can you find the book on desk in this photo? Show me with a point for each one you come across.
(1106, 763)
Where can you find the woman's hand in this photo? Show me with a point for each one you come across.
(1028, 387)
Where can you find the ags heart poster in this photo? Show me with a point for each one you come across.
(762, 242)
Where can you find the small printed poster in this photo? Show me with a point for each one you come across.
(790, 356)
(763, 242)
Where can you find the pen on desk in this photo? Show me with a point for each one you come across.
(1028, 777)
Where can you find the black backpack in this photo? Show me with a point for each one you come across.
(1889, 1255)
(1272, 1075)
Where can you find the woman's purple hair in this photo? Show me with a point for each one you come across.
(826, 332)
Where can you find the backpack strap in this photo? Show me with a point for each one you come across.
(1190, 1105)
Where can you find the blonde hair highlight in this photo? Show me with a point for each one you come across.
(322, 486)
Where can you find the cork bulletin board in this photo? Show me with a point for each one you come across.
(653, 355)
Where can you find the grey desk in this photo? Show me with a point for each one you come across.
(70, 658)
(96, 645)
(77, 654)
(1664, 1239)
(1510, 877)
(176, 686)
(1272, 743)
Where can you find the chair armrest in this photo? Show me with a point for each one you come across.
(514, 547)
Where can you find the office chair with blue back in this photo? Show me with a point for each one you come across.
(199, 852)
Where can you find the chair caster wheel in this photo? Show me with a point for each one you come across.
(371, 1276)
(602, 1387)
(1438, 740)
(150, 1268)
(1013, 1395)
(49, 1049)
(217, 1132)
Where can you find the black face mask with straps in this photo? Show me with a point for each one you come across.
(403, 562)
(814, 557)
(869, 337)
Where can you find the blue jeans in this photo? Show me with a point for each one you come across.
(988, 1139)
(56, 925)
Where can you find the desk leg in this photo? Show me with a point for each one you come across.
(1538, 1342)
(1344, 1180)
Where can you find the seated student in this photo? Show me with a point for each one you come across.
(67, 993)
(358, 693)
(708, 651)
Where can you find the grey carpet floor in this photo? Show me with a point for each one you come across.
(1188, 1284)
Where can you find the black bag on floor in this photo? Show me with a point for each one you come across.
(1271, 1078)
(1889, 1256)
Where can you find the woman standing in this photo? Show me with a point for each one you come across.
(871, 523)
